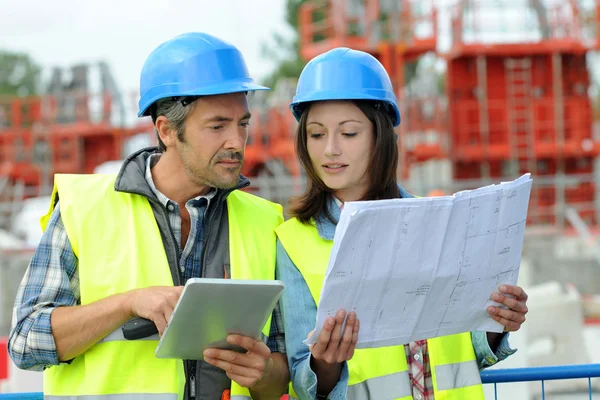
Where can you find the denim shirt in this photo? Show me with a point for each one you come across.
(300, 314)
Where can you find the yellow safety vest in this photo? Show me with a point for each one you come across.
(128, 253)
(382, 373)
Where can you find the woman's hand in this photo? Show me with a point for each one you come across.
(334, 346)
(515, 299)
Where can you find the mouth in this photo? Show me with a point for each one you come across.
(230, 163)
(334, 167)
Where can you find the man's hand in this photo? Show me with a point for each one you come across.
(76, 329)
(155, 303)
(515, 298)
(247, 369)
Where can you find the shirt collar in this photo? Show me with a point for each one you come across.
(164, 200)
(326, 228)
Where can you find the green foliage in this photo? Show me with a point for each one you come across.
(285, 51)
(19, 74)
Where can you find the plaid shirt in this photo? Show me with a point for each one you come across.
(419, 370)
(52, 280)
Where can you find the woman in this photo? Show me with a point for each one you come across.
(347, 112)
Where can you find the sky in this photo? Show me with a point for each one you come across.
(124, 32)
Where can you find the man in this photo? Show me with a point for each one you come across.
(118, 247)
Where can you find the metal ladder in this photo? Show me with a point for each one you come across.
(518, 73)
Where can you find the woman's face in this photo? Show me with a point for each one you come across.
(340, 142)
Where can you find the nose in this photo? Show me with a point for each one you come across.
(332, 147)
(236, 139)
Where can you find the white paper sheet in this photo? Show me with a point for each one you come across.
(414, 269)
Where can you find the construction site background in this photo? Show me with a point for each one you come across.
(488, 90)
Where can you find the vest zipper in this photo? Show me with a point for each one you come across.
(207, 226)
(193, 382)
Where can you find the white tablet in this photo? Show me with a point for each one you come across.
(210, 309)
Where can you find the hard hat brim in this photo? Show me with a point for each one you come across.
(296, 106)
(170, 90)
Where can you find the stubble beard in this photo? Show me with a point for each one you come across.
(208, 176)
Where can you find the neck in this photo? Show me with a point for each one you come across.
(171, 179)
(350, 194)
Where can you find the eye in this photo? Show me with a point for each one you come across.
(245, 124)
(315, 135)
(216, 127)
(349, 134)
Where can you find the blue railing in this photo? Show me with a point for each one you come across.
(495, 377)
(541, 374)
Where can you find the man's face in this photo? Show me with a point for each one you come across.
(212, 149)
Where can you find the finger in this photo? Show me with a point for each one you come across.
(172, 299)
(509, 326)
(346, 337)
(250, 344)
(508, 315)
(179, 289)
(511, 303)
(242, 380)
(167, 311)
(236, 372)
(244, 360)
(352, 347)
(516, 291)
(523, 296)
(161, 323)
(336, 336)
(320, 346)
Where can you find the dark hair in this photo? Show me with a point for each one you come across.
(176, 110)
(381, 170)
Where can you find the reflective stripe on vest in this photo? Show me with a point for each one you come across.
(397, 385)
(101, 223)
(117, 334)
(393, 386)
(384, 371)
(124, 396)
(454, 376)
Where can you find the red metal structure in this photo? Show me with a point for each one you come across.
(37, 139)
(511, 106)
(68, 130)
(523, 107)
(397, 33)
(271, 137)
(516, 103)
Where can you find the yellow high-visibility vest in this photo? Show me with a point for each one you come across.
(382, 373)
(128, 253)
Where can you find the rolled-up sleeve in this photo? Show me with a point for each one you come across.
(484, 354)
(51, 281)
(276, 342)
(299, 315)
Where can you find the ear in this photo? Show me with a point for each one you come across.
(166, 134)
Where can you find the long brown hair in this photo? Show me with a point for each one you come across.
(381, 171)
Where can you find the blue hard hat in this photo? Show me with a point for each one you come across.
(345, 74)
(193, 64)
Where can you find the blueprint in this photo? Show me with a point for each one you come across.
(418, 268)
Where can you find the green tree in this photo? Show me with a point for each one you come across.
(19, 74)
(285, 51)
